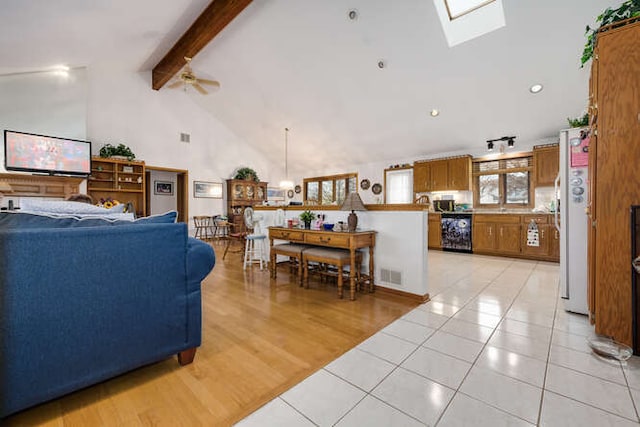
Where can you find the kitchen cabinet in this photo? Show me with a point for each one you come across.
(544, 235)
(421, 177)
(242, 194)
(459, 174)
(508, 239)
(484, 236)
(120, 180)
(614, 150)
(546, 164)
(506, 235)
(497, 234)
(452, 174)
(439, 175)
(434, 240)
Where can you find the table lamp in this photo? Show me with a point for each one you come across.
(352, 203)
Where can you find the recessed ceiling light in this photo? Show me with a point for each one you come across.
(352, 14)
(381, 64)
(535, 88)
(434, 113)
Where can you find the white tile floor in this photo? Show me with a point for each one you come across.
(494, 347)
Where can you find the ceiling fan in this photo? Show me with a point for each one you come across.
(186, 77)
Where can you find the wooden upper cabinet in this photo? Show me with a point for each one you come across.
(459, 174)
(442, 175)
(546, 162)
(439, 175)
(421, 177)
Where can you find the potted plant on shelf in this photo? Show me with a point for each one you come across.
(246, 174)
(121, 150)
(307, 217)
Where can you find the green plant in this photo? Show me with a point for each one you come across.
(246, 174)
(307, 216)
(579, 122)
(109, 150)
(628, 9)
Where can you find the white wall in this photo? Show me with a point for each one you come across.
(44, 103)
(401, 243)
(161, 203)
(122, 108)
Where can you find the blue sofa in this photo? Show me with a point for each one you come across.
(82, 304)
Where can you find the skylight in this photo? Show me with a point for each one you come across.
(457, 8)
(463, 20)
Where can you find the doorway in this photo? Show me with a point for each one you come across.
(178, 199)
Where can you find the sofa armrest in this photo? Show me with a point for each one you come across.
(200, 260)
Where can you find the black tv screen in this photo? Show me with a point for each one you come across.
(28, 152)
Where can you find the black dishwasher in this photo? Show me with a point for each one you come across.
(456, 232)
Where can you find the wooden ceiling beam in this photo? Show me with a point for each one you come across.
(211, 21)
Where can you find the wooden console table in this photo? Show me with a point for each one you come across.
(332, 239)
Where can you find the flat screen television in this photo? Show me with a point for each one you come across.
(28, 152)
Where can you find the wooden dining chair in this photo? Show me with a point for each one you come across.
(237, 233)
(204, 227)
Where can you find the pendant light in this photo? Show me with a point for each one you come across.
(286, 184)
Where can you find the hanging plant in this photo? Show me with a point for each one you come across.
(109, 150)
(628, 9)
(246, 174)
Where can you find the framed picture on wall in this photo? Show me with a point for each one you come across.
(212, 190)
(274, 193)
(163, 188)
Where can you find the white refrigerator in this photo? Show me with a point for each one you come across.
(571, 219)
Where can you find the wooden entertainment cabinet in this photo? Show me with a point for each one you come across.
(26, 185)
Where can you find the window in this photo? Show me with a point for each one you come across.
(457, 8)
(329, 190)
(503, 182)
(398, 184)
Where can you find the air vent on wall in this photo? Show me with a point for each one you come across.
(185, 137)
(391, 276)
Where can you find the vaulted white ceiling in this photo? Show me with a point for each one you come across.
(303, 64)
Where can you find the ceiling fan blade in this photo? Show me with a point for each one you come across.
(175, 84)
(209, 82)
(200, 88)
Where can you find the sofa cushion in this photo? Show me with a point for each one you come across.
(64, 207)
(13, 219)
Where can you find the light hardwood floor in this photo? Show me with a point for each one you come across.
(260, 337)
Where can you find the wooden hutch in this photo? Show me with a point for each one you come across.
(242, 194)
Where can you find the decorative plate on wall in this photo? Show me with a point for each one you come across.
(376, 188)
(290, 194)
(298, 189)
(364, 184)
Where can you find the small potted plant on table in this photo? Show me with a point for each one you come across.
(307, 217)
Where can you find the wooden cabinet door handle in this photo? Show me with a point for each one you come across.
(325, 240)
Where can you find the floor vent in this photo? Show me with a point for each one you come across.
(390, 276)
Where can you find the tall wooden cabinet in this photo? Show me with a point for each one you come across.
(614, 151)
(242, 194)
(117, 179)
